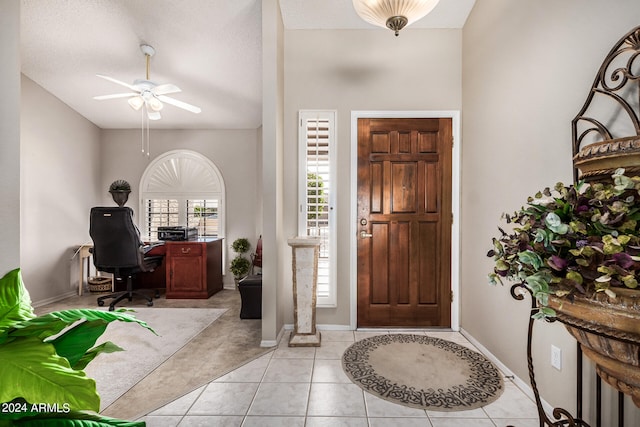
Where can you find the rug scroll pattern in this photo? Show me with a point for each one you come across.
(483, 385)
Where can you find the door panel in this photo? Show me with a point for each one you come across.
(404, 215)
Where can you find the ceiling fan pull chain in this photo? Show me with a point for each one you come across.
(148, 143)
(142, 111)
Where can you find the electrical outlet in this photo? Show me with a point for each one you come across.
(556, 357)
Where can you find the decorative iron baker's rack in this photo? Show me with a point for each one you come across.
(598, 150)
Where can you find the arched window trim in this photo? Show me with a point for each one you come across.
(211, 187)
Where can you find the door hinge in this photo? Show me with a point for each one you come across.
(452, 142)
(451, 218)
(451, 296)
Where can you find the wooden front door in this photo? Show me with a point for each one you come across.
(404, 222)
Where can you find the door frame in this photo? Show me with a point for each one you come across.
(454, 115)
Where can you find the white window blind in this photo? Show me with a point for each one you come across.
(317, 194)
(201, 214)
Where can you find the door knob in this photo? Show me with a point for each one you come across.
(365, 235)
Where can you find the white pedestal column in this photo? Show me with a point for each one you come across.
(305, 280)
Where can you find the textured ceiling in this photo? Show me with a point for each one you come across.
(211, 49)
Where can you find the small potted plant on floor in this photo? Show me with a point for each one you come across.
(240, 265)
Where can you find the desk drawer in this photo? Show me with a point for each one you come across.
(185, 249)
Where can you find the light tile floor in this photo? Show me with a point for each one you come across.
(306, 387)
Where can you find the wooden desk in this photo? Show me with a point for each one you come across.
(190, 269)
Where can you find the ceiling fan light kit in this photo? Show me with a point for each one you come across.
(393, 14)
(146, 93)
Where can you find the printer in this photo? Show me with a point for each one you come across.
(177, 233)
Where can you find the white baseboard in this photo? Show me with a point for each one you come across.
(333, 327)
(522, 385)
(54, 299)
(289, 327)
(273, 343)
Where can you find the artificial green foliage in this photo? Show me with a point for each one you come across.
(65, 419)
(241, 245)
(42, 359)
(240, 266)
(15, 303)
(32, 370)
(575, 240)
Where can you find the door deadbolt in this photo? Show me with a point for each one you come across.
(363, 221)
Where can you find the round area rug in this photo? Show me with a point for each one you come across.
(423, 372)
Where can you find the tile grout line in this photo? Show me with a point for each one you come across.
(253, 399)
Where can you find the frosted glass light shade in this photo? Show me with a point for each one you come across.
(393, 14)
(155, 104)
(136, 102)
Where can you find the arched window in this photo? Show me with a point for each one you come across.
(182, 188)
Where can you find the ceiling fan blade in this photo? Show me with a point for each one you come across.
(115, 95)
(179, 104)
(111, 79)
(165, 89)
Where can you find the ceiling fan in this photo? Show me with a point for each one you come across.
(146, 93)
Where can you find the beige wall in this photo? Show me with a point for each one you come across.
(232, 151)
(10, 136)
(60, 182)
(273, 283)
(527, 69)
(359, 70)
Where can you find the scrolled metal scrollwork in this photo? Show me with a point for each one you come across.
(558, 413)
(617, 80)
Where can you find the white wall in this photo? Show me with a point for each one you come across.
(9, 136)
(274, 242)
(352, 70)
(59, 184)
(527, 69)
(234, 152)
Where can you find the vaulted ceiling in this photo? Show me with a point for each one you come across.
(210, 49)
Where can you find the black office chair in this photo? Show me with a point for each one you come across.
(117, 249)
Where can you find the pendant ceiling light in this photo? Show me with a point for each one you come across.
(393, 14)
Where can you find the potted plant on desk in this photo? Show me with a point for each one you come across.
(240, 265)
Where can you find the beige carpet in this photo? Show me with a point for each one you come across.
(116, 373)
(423, 372)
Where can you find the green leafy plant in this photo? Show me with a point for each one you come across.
(573, 240)
(240, 265)
(315, 196)
(42, 360)
(241, 245)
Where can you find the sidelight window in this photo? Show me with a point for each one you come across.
(317, 194)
